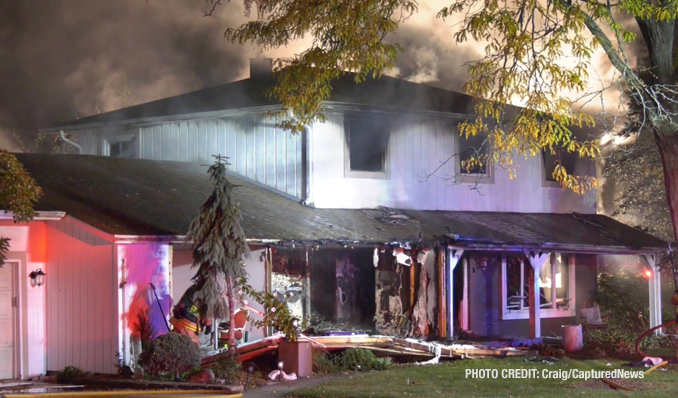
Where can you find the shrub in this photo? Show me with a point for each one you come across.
(170, 353)
(362, 360)
(324, 363)
(619, 343)
(623, 299)
(68, 374)
(227, 368)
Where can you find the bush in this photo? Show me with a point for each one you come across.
(324, 364)
(227, 368)
(362, 360)
(170, 353)
(623, 299)
(68, 374)
(619, 343)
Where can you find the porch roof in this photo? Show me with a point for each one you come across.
(153, 198)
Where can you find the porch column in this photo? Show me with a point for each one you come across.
(536, 260)
(453, 256)
(655, 292)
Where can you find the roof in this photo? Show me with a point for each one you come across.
(148, 197)
(385, 93)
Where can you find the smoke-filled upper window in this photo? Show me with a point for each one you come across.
(565, 158)
(474, 146)
(367, 142)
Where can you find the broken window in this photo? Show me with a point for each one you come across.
(474, 146)
(367, 138)
(556, 287)
(560, 156)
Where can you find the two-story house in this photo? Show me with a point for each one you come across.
(366, 219)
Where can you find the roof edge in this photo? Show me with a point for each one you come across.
(39, 215)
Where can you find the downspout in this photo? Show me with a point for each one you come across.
(75, 144)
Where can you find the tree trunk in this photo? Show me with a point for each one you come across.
(231, 315)
(668, 149)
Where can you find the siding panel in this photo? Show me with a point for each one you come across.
(80, 299)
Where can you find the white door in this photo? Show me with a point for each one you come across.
(7, 326)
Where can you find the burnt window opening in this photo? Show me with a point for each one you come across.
(121, 148)
(367, 144)
(474, 146)
(565, 158)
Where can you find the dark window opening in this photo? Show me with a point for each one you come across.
(566, 159)
(121, 149)
(474, 146)
(367, 143)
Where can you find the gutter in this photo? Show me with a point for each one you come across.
(150, 121)
(75, 144)
(39, 216)
(176, 239)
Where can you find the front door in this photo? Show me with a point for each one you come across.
(7, 326)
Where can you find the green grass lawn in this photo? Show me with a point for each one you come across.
(449, 380)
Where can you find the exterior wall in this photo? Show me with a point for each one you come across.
(81, 310)
(255, 147)
(485, 307)
(27, 246)
(95, 142)
(255, 265)
(416, 147)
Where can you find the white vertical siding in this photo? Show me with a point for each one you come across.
(255, 147)
(81, 309)
(417, 146)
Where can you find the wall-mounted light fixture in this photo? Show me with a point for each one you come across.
(37, 277)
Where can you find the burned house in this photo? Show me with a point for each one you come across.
(364, 222)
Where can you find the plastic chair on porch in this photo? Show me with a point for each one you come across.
(240, 316)
(591, 318)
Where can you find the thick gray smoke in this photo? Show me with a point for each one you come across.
(63, 59)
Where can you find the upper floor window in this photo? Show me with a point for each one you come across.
(473, 147)
(367, 146)
(555, 286)
(560, 156)
(120, 147)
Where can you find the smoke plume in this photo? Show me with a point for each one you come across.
(64, 59)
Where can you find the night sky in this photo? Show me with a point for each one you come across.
(60, 59)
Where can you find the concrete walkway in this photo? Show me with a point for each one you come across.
(280, 389)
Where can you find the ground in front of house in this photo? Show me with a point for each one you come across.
(450, 380)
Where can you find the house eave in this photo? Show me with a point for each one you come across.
(348, 106)
(556, 247)
(39, 215)
(142, 122)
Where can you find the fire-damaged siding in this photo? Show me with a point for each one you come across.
(256, 148)
(81, 305)
(416, 148)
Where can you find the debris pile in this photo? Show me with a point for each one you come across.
(387, 345)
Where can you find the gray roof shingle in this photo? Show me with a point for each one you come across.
(147, 197)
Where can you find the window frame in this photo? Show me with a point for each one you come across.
(108, 141)
(545, 182)
(544, 312)
(385, 174)
(470, 178)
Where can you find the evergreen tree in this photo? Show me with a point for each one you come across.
(219, 247)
